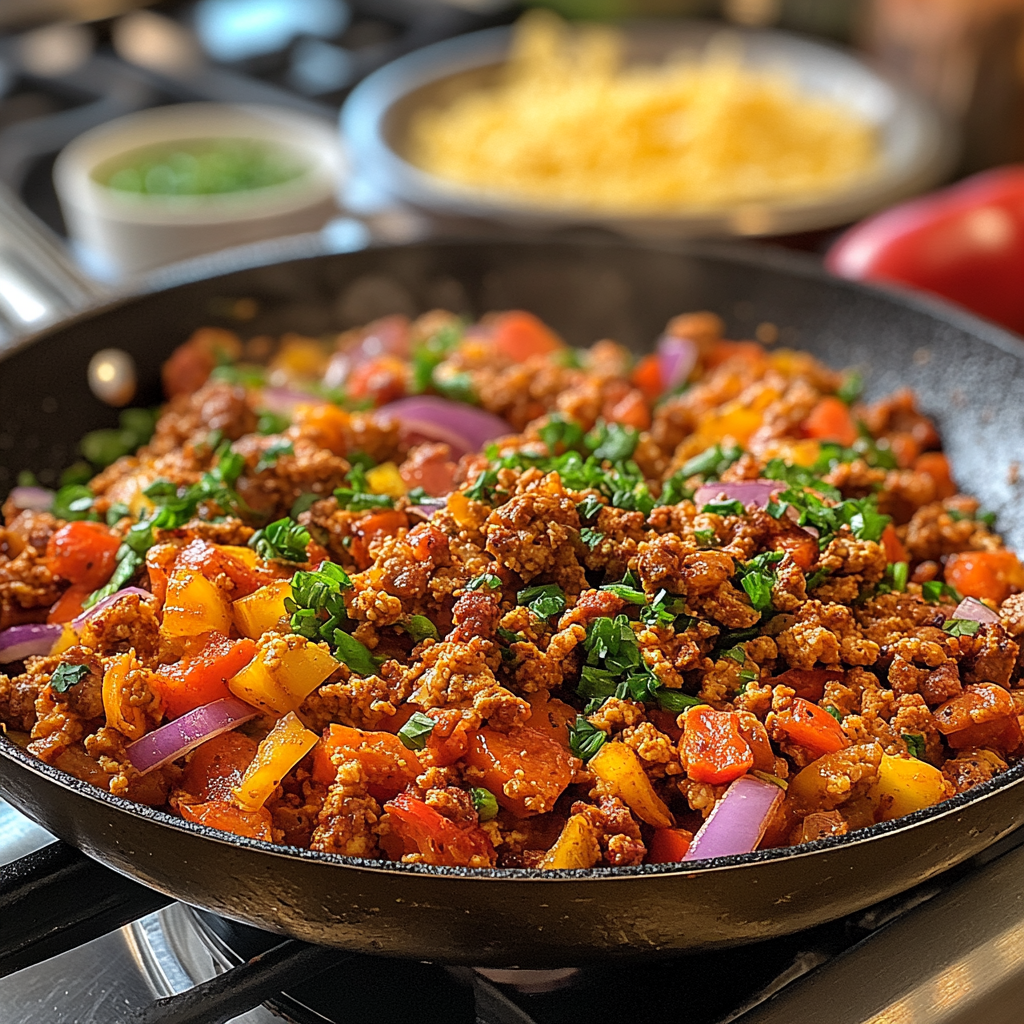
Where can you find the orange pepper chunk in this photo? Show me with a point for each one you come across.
(830, 420)
(384, 379)
(712, 746)
(985, 574)
(668, 845)
(387, 763)
(936, 465)
(69, 605)
(534, 766)
(228, 818)
(519, 335)
(812, 728)
(213, 561)
(83, 552)
(720, 351)
(983, 715)
(203, 677)
(369, 528)
(218, 765)
(894, 549)
(809, 683)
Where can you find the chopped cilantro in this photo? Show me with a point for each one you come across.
(487, 579)
(612, 441)
(284, 541)
(757, 578)
(117, 512)
(248, 375)
(674, 490)
(589, 507)
(962, 627)
(128, 564)
(737, 654)
(988, 518)
(591, 537)
(65, 676)
(748, 675)
(79, 472)
(357, 656)
(317, 608)
(935, 590)
(835, 713)
(176, 506)
(481, 485)
(704, 537)
(270, 422)
(429, 354)
(915, 744)
(543, 601)
(484, 803)
(274, 451)
(135, 428)
(415, 732)
(711, 463)
(724, 508)
(664, 610)
(851, 388)
(508, 636)
(303, 503)
(628, 588)
(585, 740)
(900, 572)
(361, 501)
(74, 502)
(559, 431)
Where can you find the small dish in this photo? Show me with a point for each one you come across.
(918, 147)
(122, 233)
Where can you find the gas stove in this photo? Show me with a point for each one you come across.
(81, 945)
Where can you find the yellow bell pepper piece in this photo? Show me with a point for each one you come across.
(262, 610)
(282, 749)
(575, 847)
(800, 452)
(194, 605)
(906, 784)
(68, 638)
(620, 769)
(284, 672)
(246, 556)
(121, 714)
(385, 479)
(300, 357)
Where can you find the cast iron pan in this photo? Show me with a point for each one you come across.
(967, 374)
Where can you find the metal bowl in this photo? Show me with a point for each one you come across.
(918, 146)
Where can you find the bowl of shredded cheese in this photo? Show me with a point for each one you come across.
(652, 129)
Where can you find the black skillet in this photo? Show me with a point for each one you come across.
(968, 374)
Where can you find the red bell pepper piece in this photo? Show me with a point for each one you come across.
(438, 839)
(830, 420)
(713, 748)
(812, 728)
(83, 552)
(965, 243)
(981, 574)
(519, 335)
(389, 766)
(809, 683)
(668, 845)
(203, 677)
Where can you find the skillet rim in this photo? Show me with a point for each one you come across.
(745, 254)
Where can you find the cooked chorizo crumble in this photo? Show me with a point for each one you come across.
(459, 594)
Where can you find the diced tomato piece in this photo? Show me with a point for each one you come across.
(980, 703)
(212, 562)
(203, 677)
(83, 552)
(809, 683)
(429, 544)
(830, 420)
(894, 549)
(936, 465)
(713, 748)
(647, 376)
(70, 604)
(438, 840)
(538, 764)
(985, 574)
(368, 529)
(812, 728)
(668, 845)
(519, 335)
(382, 380)
(217, 766)
(430, 466)
(388, 764)
(228, 818)
(192, 363)
(799, 545)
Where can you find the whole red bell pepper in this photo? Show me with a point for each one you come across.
(964, 243)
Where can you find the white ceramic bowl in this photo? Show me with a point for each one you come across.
(918, 146)
(123, 233)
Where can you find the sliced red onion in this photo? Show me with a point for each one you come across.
(676, 358)
(428, 418)
(738, 821)
(80, 620)
(748, 492)
(36, 499)
(177, 738)
(971, 608)
(284, 400)
(425, 509)
(20, 642)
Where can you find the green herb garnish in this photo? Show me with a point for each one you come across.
(415, 732)
(487, 579)
(591, 537)
(274, 451)
(915, 744)
(65, 676)
(543, 601)
(585, 740)
(419, 627)
(484, 802)
(284, 540)
(961, 627)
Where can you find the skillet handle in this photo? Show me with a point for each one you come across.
(38, 281)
